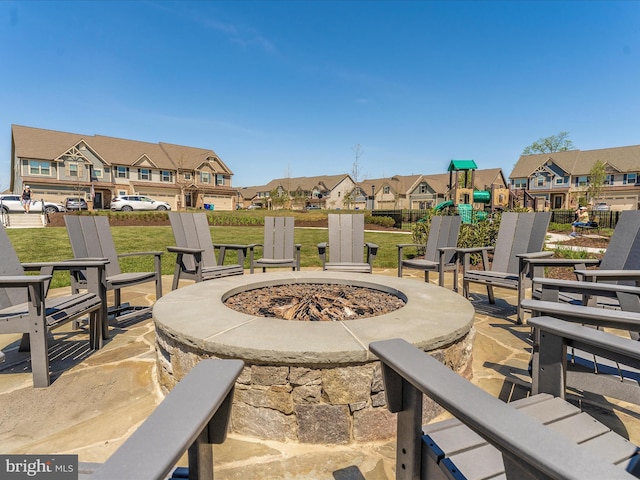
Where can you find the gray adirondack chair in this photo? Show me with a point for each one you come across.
(278, 249)
(25, 308)
(541, 436)
(347, 246)
(193, 417)
(440, 251)
(620, 264)
(196, 257)
(593, 372)
(90, 237)
(521, 236)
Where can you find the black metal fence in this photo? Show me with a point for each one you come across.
(604, 219)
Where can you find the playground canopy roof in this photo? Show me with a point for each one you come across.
(462, 165)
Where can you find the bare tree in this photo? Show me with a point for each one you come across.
(355, 168)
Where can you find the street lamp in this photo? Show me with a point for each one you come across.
(373, 196)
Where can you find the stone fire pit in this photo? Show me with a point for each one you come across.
(311, 382)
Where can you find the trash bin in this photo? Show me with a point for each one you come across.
(209, 206)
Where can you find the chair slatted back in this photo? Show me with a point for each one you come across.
(443, 232)
(278, 238)
(90, 237)
(623, 252)
(518, 233)
(10, 265)
(191, 230)
(346, 238)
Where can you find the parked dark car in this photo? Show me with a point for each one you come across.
(76, 203)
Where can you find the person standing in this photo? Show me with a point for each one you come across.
(26, 199)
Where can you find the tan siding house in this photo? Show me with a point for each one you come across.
(57, 165)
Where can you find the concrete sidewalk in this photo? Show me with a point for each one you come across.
(97, 399)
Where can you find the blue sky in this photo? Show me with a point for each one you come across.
(289, 88)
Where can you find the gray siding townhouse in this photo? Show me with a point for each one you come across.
(57, 165)
(560, 180)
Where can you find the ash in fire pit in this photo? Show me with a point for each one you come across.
(314, 302)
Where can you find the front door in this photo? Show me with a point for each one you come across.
(97, 201)
(557, 201)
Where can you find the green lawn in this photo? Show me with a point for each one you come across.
(52, 243)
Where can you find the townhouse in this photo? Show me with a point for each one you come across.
(327, 191)
(560, 180)
(57, 165)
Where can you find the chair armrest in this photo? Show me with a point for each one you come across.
(466, 250)
(372, 251)
(135, 254)
(527, 445)
(73, 264)
(602, 317)
(241, 249)
(195, 413)
(562, 262)
(597, 275)
(403, 245)
(322, 252)
(584, 288)
(185, 250)
(534, 255)
(234, 246)
(17, 281)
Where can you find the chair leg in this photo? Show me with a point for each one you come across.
(95, 330)
(492, 298)
(39, 358)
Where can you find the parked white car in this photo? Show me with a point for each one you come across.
(128, 203)
(601, 207)
(10, 203)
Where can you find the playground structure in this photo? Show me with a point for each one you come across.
(471, 204)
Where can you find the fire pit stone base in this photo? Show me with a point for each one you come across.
(335, 401)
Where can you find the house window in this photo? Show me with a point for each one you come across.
(122, 172)
(187, 176)
(422, 188)
(205, 177)
(73, 169)
(519, 183)
(630, 178)
(608, 180)
(166, 176)
(559, 180)
(581, 181)
(97, 172)
(540, 181)
(219, 179)
(38, 167)
(144, 174)
(386, 190)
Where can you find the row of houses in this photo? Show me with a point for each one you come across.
(388, 193)
(57, 165)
